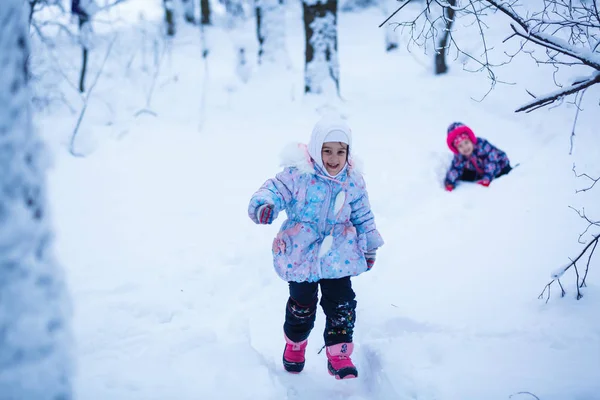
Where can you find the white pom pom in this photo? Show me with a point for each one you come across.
(340, 199)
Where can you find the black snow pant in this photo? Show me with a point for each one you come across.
(337, 301)
(472, 176)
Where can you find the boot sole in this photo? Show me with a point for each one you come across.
(293, 367)
(344, 373)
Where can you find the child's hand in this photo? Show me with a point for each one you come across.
(370, 256)
(449, 188)
(484, 182)
(264, 214)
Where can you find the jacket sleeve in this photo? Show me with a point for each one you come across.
(275, 191)
(363, 219)
(493, 160)
(454, 172)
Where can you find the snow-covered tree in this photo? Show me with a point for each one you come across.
(235, 23)
(443, 40)
(34, 315)
(270, 29)
(322, 69)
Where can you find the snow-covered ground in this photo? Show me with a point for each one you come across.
(173, 287)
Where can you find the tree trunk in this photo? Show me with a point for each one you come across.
(83, 18)
(204, 12)
(391, 35)
(169, 17)
(322, 64)
(236, 19)
(270, 30)
(84, 53)
(32, 4)
(440, 56)
(189, 10)
(34, 311)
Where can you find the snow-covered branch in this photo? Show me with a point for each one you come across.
(558, 45)
(561, 271)
(542, 29)
(568, 31)
(591, 246)
(558, 94)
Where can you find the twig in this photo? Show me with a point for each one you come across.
(590, 222)
(529, 393)
(87, 97)
(595, 180)
(578, 106)
(556, 276)
(579, 295)
(587, 267)
(394, 13)
(547, 287)
(158, 64)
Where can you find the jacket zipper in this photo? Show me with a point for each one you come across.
(324, 222)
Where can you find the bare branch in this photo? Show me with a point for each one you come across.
(579, 295)
(87, 97)
(587, 266)
(578, 107)
(590, 222)
(395, 12)
(557, 275)
(594, 180)
(529, 393)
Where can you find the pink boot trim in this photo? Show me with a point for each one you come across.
(294, 352)
(293, 355)
(339, 362)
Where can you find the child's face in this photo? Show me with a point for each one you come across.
(334, 155)
(465, 147)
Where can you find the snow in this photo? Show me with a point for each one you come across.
(173, 285)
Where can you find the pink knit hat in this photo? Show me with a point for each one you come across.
(457, 132)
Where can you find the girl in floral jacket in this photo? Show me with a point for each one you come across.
(329, 236)
(475, 159)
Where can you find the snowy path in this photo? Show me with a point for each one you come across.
(176, 295)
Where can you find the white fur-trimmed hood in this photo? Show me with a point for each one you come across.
(296, 155)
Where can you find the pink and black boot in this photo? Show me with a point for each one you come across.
(339, 362)
(293, 355)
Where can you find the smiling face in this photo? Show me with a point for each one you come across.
(334, 156)
(465, 147)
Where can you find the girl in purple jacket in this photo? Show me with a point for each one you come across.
(475, 159)
(328, 237)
